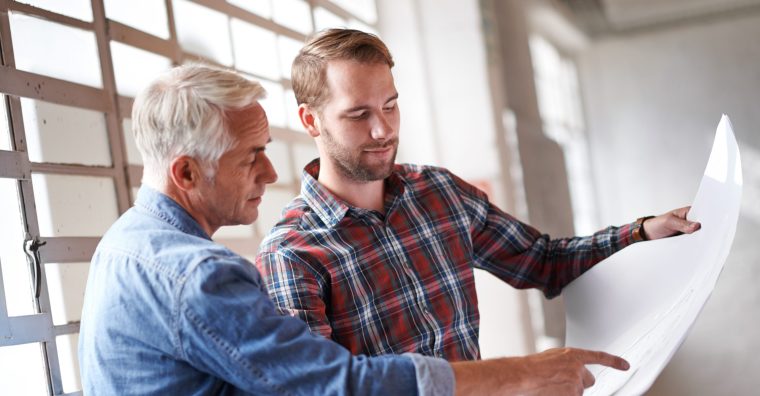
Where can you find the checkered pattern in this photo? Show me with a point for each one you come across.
(403, 281)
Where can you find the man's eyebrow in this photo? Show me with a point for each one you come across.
(260, 148)
(363, 107)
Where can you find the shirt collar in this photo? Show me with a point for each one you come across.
(165, 208)
(332, 209)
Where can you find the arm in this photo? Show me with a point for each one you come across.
(296, 289)
(227, 327)
(553, 372)
(523, 257)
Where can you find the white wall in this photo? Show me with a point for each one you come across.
(653, 100)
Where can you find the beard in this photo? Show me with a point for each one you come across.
(350, 162)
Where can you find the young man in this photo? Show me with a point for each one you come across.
(168, 311)
(379, 257)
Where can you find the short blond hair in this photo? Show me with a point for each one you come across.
(308, 73)
(183, 112)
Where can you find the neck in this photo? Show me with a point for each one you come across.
(365, 195)
(184, 200)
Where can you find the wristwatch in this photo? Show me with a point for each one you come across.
(638, 229)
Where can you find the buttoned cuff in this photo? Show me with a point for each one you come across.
(434, 376)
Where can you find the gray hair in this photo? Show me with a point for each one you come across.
(182, 112)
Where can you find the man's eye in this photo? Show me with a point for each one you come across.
(358, 116)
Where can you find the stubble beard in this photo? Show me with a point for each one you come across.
(351, 166)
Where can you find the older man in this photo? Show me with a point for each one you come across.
(168, 311)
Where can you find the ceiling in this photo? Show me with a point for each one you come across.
(600, 17)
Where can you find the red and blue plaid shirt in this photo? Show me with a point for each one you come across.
(403, 281)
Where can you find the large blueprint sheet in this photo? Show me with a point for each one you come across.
(641, 302)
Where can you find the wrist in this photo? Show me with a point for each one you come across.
(638, 229)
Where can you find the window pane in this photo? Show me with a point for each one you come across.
(64, 201)
(255, 49)
(135, 68)
(5, 132)
(16, 278)
(66, 283)
(291, 111)
(22, 370)
(364, 9)
(68, 358)
(133, 154)
(325, 19)
(64, 134)
(278, 154)
(274, 103)
(44, 41)
(271, 208)
(260, 7)
(146, 15)
(79, 9)
(212, 40)
(288, 50)
(295, 14)
(304, 153)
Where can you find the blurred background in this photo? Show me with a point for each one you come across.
(571, 114)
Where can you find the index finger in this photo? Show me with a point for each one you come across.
(603, 358)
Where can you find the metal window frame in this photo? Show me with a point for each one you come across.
(15, 164)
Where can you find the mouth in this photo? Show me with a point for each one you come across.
(256, 200)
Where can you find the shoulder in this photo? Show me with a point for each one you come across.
(297, 220)
(422, 178)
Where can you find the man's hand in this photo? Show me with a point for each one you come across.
(559, 371)
(669, 224)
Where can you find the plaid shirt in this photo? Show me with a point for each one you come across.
(403, 281)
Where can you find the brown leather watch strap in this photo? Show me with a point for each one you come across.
(638, 229)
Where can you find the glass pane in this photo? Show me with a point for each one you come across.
(278, 154)
(291, 111)
(5, 132)
(274, 103)
(325, 19)
(364, 9)
(22, 370)
(303, 154)
(135, 68)
(295, 14)
(68, 357)
(260, 7)
(79, 9)
(288, 50)
(146, 15)
(63, 202)
(133, 154)
(255, 49)
(64, 134)
(212, 40)
(44, 41)
(66, 283)
(16, 278)
(271, 209)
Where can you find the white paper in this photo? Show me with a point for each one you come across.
(641, 302)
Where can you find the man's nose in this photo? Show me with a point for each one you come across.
(268, 175)
(382, 129)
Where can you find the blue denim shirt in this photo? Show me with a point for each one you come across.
(168, 311)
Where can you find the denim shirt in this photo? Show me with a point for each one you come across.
(168, 311)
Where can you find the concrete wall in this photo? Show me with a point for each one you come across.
(653, 100)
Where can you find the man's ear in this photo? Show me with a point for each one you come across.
(184, 172)
(309, 119)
